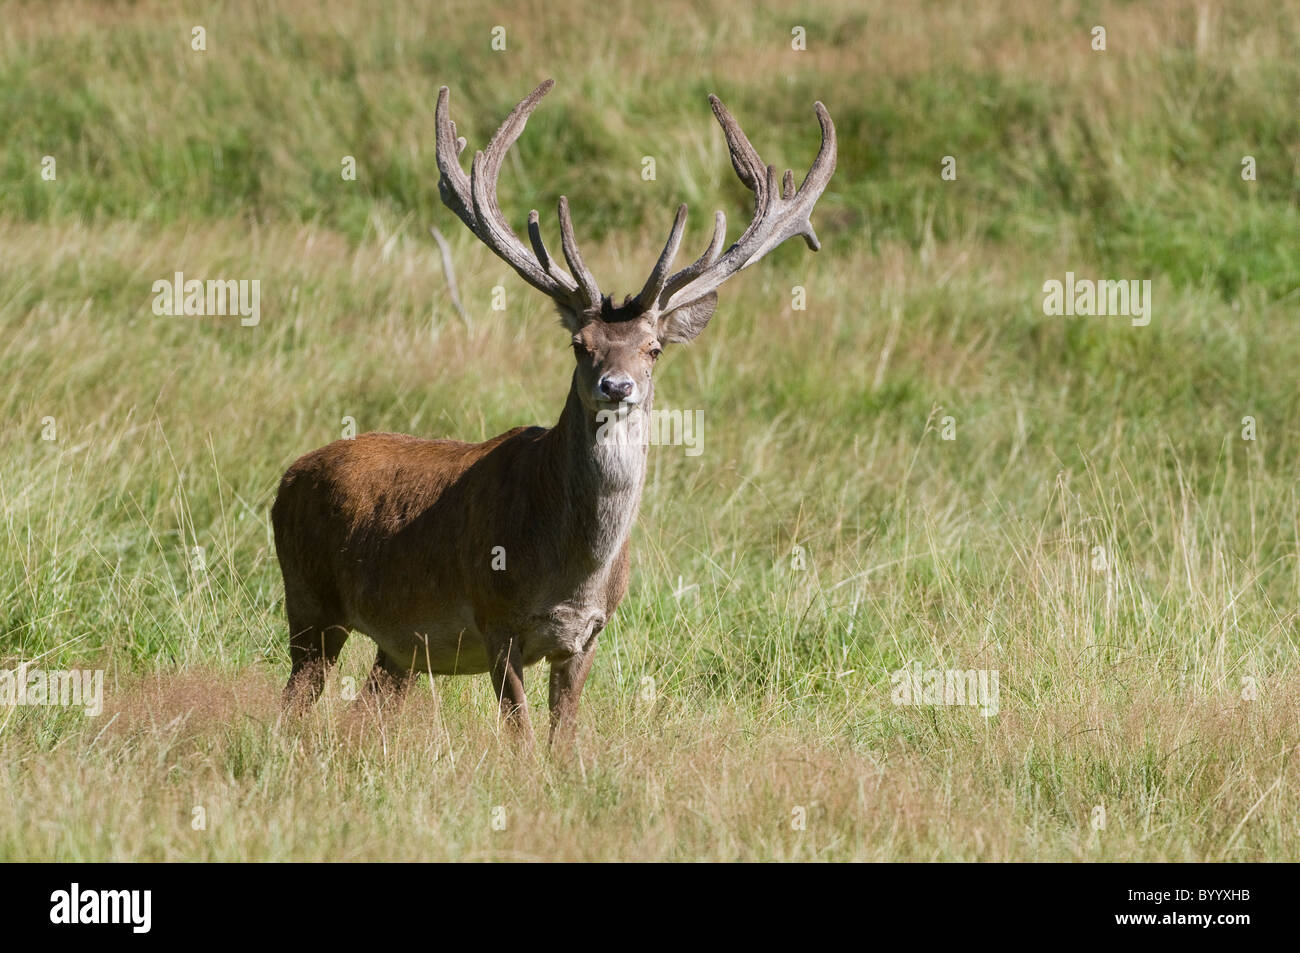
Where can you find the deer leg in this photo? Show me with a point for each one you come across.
(568, 676)
(313, 649)
(507, 668)
(388, 681)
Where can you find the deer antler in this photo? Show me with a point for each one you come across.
(474, 200)
(777, 217)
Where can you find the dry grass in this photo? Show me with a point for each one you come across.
(1202, 778)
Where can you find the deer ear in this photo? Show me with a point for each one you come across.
(685, 323)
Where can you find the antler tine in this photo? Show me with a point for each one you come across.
(539, 249)
(744, 157)
(453, 186)
(687, 274)
(649, 296)
(778, 214)
(569, 244)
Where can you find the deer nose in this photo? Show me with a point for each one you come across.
(616, 388)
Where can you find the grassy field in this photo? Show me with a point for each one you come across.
(1097, 532)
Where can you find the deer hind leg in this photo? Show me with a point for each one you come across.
(389, 680)
(313, 648)
(505, 661)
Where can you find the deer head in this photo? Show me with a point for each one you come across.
(616, 345)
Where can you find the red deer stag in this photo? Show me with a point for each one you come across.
(462, 558)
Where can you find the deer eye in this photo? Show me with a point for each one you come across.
(579, 348)
(655, 352)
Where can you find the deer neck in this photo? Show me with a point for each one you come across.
(600, 464)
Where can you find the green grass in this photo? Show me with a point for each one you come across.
(1126, 687)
